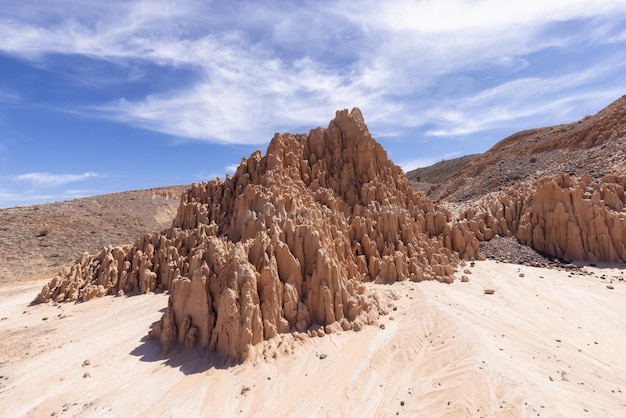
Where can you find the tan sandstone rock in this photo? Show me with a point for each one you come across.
(575, 218)
(283, 245)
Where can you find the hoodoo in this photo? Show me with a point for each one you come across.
(283, 245)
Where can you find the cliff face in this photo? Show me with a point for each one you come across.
(283, 245)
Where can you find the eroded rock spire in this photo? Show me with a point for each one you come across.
(283, 245)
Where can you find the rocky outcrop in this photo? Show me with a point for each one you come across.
(570, 217)
(557, 189)
(283, 245)
(577, 219)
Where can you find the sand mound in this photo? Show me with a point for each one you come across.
(283, 245)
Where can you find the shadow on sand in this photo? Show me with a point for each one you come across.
(188, 360)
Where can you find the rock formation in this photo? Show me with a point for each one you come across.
(576, 218)
(283, 245)
(559, 190)
(287, 243)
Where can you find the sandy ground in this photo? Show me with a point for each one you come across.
(546, 344)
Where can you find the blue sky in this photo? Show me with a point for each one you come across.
(98, 97)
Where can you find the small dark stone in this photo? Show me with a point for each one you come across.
(323, 356)
(401, 403)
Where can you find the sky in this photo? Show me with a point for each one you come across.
(105, 96)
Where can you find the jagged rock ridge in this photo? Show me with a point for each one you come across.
(283, 245)
(559, 190)
(570, 217)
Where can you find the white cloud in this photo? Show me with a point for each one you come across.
(8, 95)
(206, 176)
(78, 193)
(461, 15)
(417, 163)
(53, 180)
(44, 187)
(515, 102)
(452, 155)
(242, 100)
(257, 63)
(231, 168)
(10, 198)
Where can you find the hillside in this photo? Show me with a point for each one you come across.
(558, 190)
(425, 178)
(595, 145)
(40, 239)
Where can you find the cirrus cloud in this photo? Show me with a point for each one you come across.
(53, 180)
(257, 68)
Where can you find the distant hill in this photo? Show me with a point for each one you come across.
(39, 239)
(594, 145)
(558, 190)
(424, 178)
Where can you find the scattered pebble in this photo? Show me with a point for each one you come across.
(323, 356)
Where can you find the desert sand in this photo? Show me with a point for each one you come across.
(549, 343)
